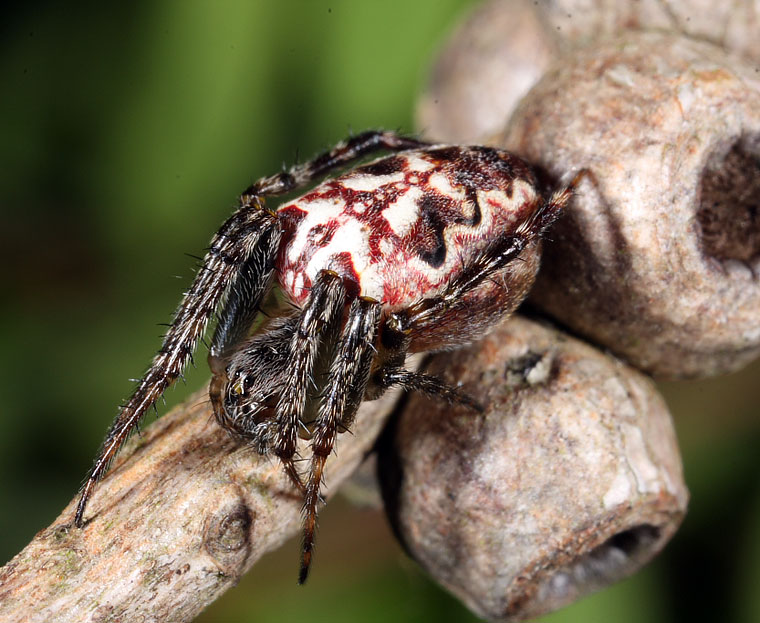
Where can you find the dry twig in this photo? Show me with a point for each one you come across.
(182, 515)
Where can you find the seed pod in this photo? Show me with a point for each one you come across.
(731, 25)
(570, 480)
(501, 50)
(658, 258)
(490, 62)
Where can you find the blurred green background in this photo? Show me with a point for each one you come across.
(127, 130)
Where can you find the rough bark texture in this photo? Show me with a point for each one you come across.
(570, 480)
(184, 512)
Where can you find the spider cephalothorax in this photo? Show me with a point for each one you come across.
(421, 250)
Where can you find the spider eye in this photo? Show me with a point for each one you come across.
(238, 385)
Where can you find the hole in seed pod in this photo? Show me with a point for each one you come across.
(619, 555)
(616, 558)
(729, 202)
(633, 540)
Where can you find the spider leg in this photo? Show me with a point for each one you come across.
(419, 316)
(318, 322)
(395, 339)
(250, 230)
(347, 382)
(343, 154)
(431, 385)
(243, 299)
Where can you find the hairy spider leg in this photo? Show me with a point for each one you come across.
(251, 229)
(242, 305)
(318, 323)
(347, 382)
(343, 154)
(554, 208)
(395, 338)
(419, 382)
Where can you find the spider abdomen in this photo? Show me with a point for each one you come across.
(401, 228)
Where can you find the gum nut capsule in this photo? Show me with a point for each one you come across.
(658, 257)
(502, 48)
(731, 25)
(485, 68)
(568, 481)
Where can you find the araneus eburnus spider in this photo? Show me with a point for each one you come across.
(418, 251)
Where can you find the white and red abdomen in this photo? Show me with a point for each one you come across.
(400, 228)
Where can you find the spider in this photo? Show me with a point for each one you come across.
(421, 250)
